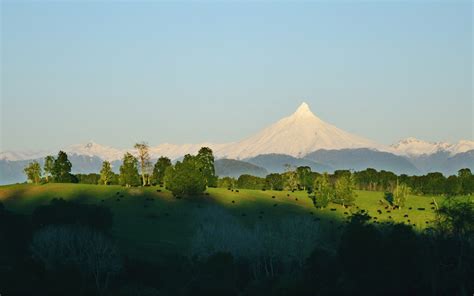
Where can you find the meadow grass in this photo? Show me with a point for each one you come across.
(148, 222)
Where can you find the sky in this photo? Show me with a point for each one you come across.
(190, 72)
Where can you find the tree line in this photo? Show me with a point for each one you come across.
(194, 173)
(190, 176)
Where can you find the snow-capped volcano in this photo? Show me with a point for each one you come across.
(415, 147)
(297, 135)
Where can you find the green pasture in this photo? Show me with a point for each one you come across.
(148, 222)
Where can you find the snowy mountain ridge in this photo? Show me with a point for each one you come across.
(296, 135)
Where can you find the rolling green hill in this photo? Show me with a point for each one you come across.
(148, 222)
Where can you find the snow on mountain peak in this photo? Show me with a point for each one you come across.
(303, 109)
(415, 147)
(297, 135)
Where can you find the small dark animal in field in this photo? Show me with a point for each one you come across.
(275, 205)
(228, 188)
(432, 208)
(406, 216)
(233, 201)
(293, 190)
(296, 199)
(375, 218)
(232, 190)
(386, 207)
(427, 222)
(357, 207)
(379, 211)
(409, 208)
(421, 209)
(408, 221)
(390, 217)
(414, 224)
(432, 203)
(264, 189)
(158, 190)
(389, 211)
(333, 210)
(288, 194)
(362, 211)
(273, 196)
(395, 207)
(237, 191)
(345, 213)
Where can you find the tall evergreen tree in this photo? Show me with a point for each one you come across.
(129, 171)
(205, 159)
(159, 169)
(62, 168)
(106, 173)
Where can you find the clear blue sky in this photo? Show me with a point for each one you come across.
(187, 72)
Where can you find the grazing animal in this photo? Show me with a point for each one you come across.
(406, 216)
(389, 211)
(409, 208)
(237, 191)
(379, 211)
(345, 213)
(362, 211)
(408, 221)
(273, 196)
(296, 199)
(421, 209)
(274, 205)
(333, 210)
(233, 201)
(432, 208)
(375, 218)
(390, 217)
(158, 190)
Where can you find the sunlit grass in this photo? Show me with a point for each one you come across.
(148, 222)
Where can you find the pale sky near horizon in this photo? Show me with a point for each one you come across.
(190, 72)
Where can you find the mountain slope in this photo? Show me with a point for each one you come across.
(235, 168)
(360, 159)
(296, 135)
(276, 163)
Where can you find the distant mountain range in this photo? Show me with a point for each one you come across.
(299, 139)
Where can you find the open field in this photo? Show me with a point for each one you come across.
(148, 222)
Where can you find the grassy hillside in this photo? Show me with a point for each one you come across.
(148, 222)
